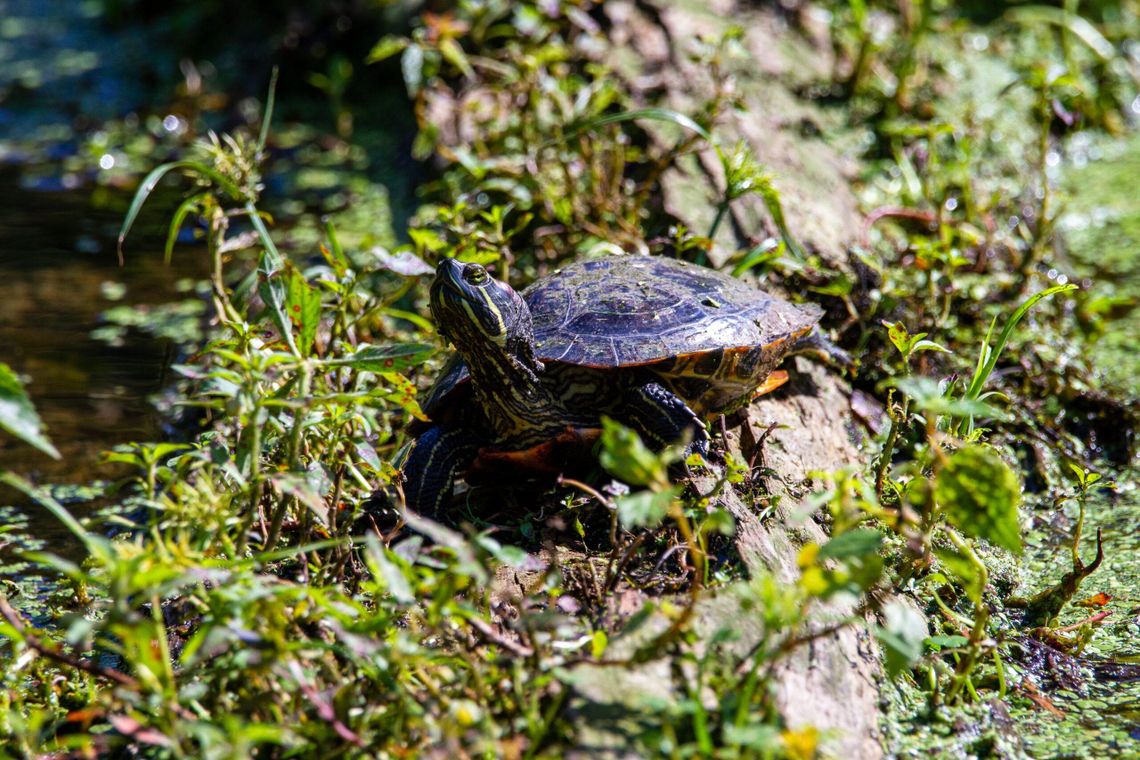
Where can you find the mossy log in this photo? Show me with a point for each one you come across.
(830, 682)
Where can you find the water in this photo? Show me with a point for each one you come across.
(61, 71)
(57, 268)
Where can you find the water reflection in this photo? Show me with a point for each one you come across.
(57, 269)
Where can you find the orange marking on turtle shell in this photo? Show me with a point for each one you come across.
(771, 383)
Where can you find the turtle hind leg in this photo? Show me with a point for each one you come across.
(432, 465)
(663, 418)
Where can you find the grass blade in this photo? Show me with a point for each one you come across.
(986, 370)
(90, 541)
(1077, 25)
(176, 221)
(151, 181)
(654, 114)
(267, 119)
(255, 219)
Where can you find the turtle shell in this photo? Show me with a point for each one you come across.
(623, 311)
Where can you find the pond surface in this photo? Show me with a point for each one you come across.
(1101, 228)
(58, 273)
(63, 70)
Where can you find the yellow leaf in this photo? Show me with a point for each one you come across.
(801, 744)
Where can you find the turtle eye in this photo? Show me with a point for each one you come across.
(475, 274)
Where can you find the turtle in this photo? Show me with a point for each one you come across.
(656, 343)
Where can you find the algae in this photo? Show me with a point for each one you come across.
(1101, 229)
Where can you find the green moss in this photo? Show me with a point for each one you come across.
(1101, 230)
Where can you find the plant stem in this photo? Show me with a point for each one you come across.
(887, 454)
(981, 619)
(721, 209)
(299, 414)
(254, 430)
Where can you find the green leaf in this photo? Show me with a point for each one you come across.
(1085, 477)
(511, 556)
(426, 240)
(928, 345)
(387, 47)
(655, 114)
(385, 358)
(645, 508)
(901, 636)
(989, 356)
(625, 456)
(853, 543)
(303, 304)
(721, 521)
(453, 54)
(979, 495)
(767, 251)
(928, 396)
(938, 643)
(151, 180)
(18, 415)
(598, 643)
(412, 67)
(389, 571)
(899, 336)
(271, 288)
(964, 571)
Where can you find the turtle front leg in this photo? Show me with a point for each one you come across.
(661, 417)
(432, 465)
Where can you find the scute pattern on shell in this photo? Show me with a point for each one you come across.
(630, 310)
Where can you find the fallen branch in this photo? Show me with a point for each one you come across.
(57, 654)
(492, 636)
(1091, 620)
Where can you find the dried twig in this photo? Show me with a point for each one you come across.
(1092, 620)
(493, 637)
(58, 654)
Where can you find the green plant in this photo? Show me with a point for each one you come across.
(247, 604)
(17, 414)
(1043, 607)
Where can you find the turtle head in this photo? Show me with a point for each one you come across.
(476, 312)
